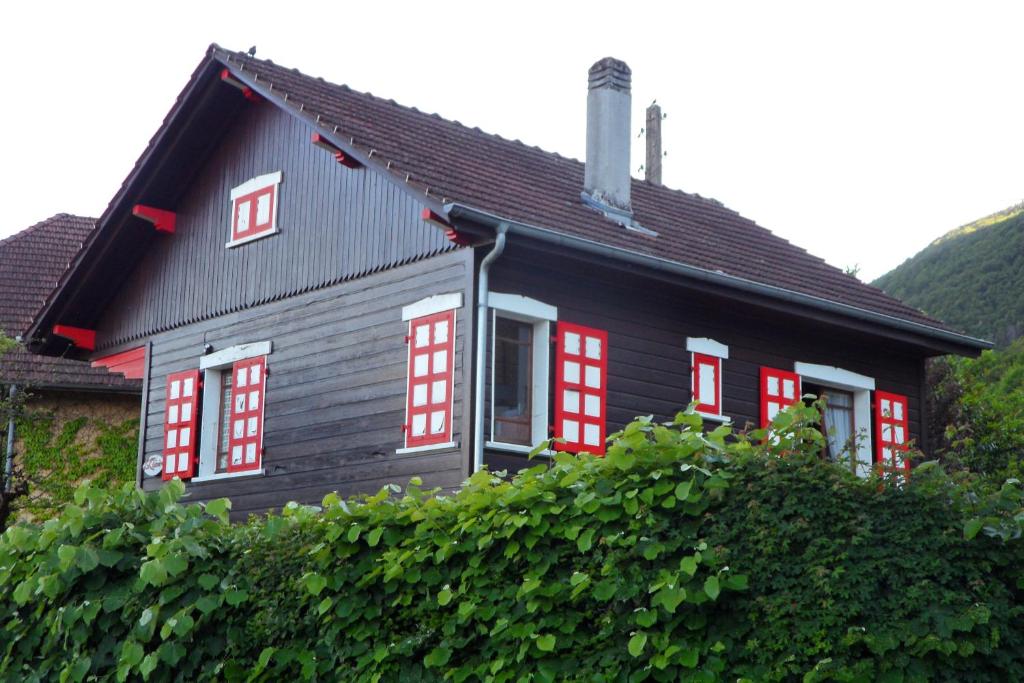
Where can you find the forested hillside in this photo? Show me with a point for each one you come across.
(971, 278)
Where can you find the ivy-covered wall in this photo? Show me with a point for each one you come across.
(64, 438)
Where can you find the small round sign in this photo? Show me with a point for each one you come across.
(153, 465)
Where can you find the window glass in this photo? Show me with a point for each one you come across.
(513, 381)
(225, 409)
(839, 427)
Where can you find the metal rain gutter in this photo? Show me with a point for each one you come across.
(481, 344)
(456, 210)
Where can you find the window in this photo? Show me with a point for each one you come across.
(234, 396)
(581, 369)
(892, 432)
(430, 372)
(254, 209)
(847, 415)
(706, 356)
(520, 350)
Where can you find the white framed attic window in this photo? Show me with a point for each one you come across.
(520, 361)
(847, 415)
(706, 358)
(234, 393)
(254, 209)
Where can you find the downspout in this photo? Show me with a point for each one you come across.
(9, 462)
(481, 346)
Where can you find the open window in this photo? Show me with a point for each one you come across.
(846, 420)
(706, 359)
(520, 350)
(234, 394)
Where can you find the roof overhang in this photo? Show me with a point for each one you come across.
(933, 339)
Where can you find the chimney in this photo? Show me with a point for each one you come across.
(652, 169)
(606, 178)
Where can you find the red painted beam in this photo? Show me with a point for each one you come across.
(340, 156)
(161, 219)
(80, 337)
(249, 93)
(453, 235)
(130, 363)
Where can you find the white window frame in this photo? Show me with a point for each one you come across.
(213, 366)
(861, 386)
(710, 347)
(540, 315)
(430, 305)
(247, 188)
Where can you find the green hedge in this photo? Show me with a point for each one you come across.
(679, 556)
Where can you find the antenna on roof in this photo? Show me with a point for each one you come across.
(252, 51)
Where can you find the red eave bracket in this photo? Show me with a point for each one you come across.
(161, 219)
(341, 157)
(248, 92)
(130, 363)
(453, 235)
(80, 337)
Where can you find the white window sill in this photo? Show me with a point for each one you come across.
(711, 417)
(226, 475)
(245, 240)
(514, 448)
(429, 447)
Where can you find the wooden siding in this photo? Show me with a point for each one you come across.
(335, 400)
(335, 224)
(648, 322)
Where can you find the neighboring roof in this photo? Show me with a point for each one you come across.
(455, 163)
(451, 165)
(31, 264)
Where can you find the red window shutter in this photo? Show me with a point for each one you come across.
(430, 379)
(706, 383)
(253, 213)
(181, 403)
(779, 389)
(245, 422)
(891, 432)
(581, 393)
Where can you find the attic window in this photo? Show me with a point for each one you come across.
(254, 209)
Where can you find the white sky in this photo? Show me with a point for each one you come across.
(858, 130)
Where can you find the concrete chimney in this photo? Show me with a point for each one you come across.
(606, 178)
(652, 169)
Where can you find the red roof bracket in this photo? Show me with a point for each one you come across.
(249, 93)
(339, 155)
(130, 363)
(453, 235)
(161, 219)
(80, 337)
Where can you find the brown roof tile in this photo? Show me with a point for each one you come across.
(31, 263)
(529, 185)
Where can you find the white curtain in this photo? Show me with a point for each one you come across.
(839, 425)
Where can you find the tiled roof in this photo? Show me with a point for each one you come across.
(31, 263)
(453, 163)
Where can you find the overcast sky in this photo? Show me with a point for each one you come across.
(859, 131)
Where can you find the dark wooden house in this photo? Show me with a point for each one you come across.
(330, 291)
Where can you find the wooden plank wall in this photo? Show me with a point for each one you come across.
(648, 323)
(335, 224)
(335, 398)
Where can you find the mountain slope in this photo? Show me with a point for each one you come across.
(971, 278)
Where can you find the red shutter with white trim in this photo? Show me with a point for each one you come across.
(706, 383)
(892, 432)
(430, 378)
(581, 374)
(245, 422)
(779, 389)
(181, 403)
